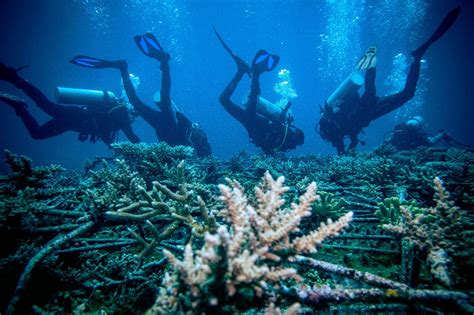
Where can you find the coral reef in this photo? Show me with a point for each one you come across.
(144, 224)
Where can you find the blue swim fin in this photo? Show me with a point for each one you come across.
(150, 46)
(263, 61)
(90, 62)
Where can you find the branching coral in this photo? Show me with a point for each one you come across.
(437, 231)
(152, 159)
(175, 206)
(389, 210)
(240, 265)
(326, 206)
(24, 175)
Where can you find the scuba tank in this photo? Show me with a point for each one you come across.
(273, 111)
(350, 85)
(67, 95)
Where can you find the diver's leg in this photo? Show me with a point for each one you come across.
(51, 108)
(165, 103)
(255, 91)
(369, 96)
(147, 113)
(50, 129)
(236, 111)
(354, 141)
(339, 145)
(390, 103)
(443, 27)
(21, 111)
(11, 75)
(241, 65)
(17, 104)
(130, 134)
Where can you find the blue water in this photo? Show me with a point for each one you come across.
(318, 41)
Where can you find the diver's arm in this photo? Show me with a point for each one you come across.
(236, 111)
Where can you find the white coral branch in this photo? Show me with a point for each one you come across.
(308, 243)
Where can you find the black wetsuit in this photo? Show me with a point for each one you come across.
(358, 113)
(102, 122)
(268, 135)
(184, 132)
(408, 137)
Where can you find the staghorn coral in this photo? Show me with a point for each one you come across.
(24, 175)
(437, 231)
(174, 207)
(112, 185)
(152, 160)
(239, 266)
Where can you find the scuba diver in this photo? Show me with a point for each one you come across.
(170, 124)
(345, 113)
(410, 135)
(268, 126)
(91, 122)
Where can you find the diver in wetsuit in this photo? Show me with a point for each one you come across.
(410, 135)
(101, 122)
(355, 112)
(170, 124)
(270, 134)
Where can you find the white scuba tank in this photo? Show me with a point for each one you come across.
(271, 110)
(65, 95)
(351, 84)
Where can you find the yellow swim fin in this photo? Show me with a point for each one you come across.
(368, 60)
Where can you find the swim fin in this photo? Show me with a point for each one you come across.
(8, 73)
(242, 65)
(14, 102)
(91, 62)
(150, 46)
(368, 60)
(263, 61)
(445, 25)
